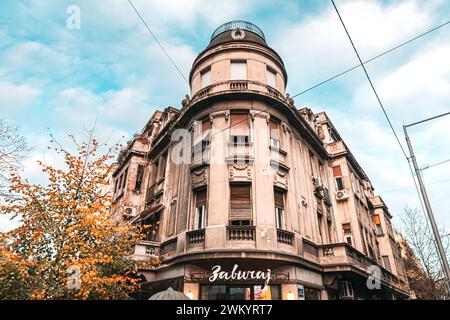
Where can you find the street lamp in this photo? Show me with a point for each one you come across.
(427, 200)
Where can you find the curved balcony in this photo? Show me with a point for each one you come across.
(237, 86)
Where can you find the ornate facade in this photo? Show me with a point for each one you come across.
(263, 185)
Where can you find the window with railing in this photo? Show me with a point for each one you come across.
(271, 76)
(274, 127)
(238, 70)
(201, 136)
(206, 77)
(151, 227)
(279, 209)
(139, 177)
(200, 209)
(239, 129)
(240, 203)
(338, 179)
(377, 221)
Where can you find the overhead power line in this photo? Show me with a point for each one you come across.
(375, 57)
(370, 81)
(357, 66)
(158, 42)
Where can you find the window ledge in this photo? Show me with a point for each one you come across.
(280, 151)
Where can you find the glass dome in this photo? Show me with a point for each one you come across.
(244, 25)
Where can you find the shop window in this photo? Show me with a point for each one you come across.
(312, 294)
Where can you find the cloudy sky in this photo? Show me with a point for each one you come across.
(112, 71)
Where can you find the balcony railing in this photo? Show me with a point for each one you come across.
(285, 237)
(241, 233)
(238, 85)
(196, 237)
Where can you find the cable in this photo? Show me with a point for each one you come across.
(370, 81)
(157, 41)
(405, 188)
(375, 57)
(357, 66)
(435, 165)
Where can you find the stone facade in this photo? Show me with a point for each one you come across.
(262, 185)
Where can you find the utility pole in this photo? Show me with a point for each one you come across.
(426, 200)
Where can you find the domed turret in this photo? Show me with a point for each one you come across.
(237, 30)
(238, 59)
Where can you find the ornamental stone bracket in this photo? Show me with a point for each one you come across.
(255, 113)
(280, 179)
(225, 114)
(200, 177)
(240, 172)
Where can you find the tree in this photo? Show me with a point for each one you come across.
(13, 148)
(68, 245)
(422, 262)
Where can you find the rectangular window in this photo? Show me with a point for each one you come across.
(206, 77)
(274, 128)
(239, 128)
(279, 209)
(377, 221)
(339, 181)
(240, 202)
(151, 227)
(319, 221)
(337, 171)
(162, 167)
(387, 263)
(125, 178)
(200, 209)
(352, 178)
(238, 70)
(139, 177)
(271, 78)
(202, 135)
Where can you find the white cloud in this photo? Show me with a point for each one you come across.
(16, 96)
(319, 47)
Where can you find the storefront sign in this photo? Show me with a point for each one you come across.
(235, 274)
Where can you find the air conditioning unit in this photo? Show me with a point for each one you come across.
(341, 195)
(129, 212)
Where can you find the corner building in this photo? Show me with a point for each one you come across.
(268, 186)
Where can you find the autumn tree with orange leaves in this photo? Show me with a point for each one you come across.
(68, 245)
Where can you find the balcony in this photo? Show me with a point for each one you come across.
(241, 233)
(285, 237)
(342, 257)
(195, 237)
(154, 190)
(146, 250)
(233, 86)
(238, 85)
